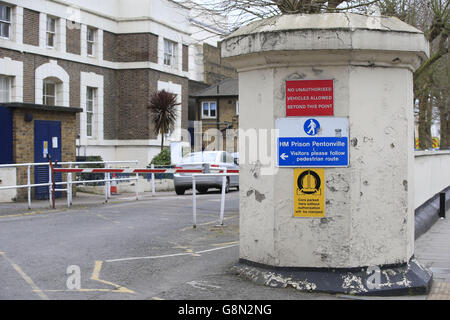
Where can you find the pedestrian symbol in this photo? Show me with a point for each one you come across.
(311, 127)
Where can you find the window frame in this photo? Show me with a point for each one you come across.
(91, 42)
(51, 32)
(209, 109)
(6, 22)
(90, 110)
(170, 56)
(8, 90)
(45, 94)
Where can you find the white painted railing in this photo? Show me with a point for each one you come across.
(69, 181)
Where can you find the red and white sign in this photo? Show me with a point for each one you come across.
(309, 98)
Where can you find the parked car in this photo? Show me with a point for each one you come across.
(206, 161)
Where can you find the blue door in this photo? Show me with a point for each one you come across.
(6, 145)
(47, 141)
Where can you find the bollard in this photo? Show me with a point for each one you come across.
(70, 186)
(222, 200)
(194, 202)
(137, 186)
(29, 188)
(50, 185)
(442, 205)
(68, 189)
(153, 181)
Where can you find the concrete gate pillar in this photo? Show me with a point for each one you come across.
(369, 207)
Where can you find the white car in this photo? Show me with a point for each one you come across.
(206, 161)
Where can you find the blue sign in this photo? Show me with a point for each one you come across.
(318, 152)
(313, 142)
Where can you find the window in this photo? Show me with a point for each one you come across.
(5, 89)
(5, 21)
(237, 108)
(49, 96)
(91, 97)
(170, 53)
(90, 41)
(51, 32)
(209, 109)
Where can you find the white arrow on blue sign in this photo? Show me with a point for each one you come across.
(313, 142)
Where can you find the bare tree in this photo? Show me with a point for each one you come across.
(431, 85)
(241, 12)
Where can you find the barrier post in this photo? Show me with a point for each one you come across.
(194, 202)
(153, 181)
(137, 186)
(29, 183)
(222, 200)
(69, 186)
(108, 182)
(106, 175)
(50, 185)
(68, 190)
(442, 205)
(52, 194)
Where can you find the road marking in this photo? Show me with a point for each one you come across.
(23, 214)
(185, 248)
(202, 285)
(224, 244)
(96, 277)
(196, 253)
(25, 277)
(107, 219)
(156, 298)
(215, 249)
(150, 257)
(207, 223)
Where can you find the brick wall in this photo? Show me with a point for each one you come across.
(30, 27)
(133, 95)
(226, 113)
(23, 140)
(133, 47)
(109, 46)
(110, 102)
(215, 68)
(73, 37)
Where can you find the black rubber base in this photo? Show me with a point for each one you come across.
(407, 279)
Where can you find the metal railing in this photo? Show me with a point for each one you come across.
(107, 171)
(51, 184)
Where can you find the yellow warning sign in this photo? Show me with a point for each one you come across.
(309, 193)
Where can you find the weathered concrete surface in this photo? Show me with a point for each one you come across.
(324, 32)
(369, 206)
(407, 279)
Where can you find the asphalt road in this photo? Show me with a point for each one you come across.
(127, 249)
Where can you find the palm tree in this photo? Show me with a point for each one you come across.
(163, 112)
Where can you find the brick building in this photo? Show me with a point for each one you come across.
(217, 108)
(106, 57)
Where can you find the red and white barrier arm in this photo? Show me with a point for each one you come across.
(97, 170)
